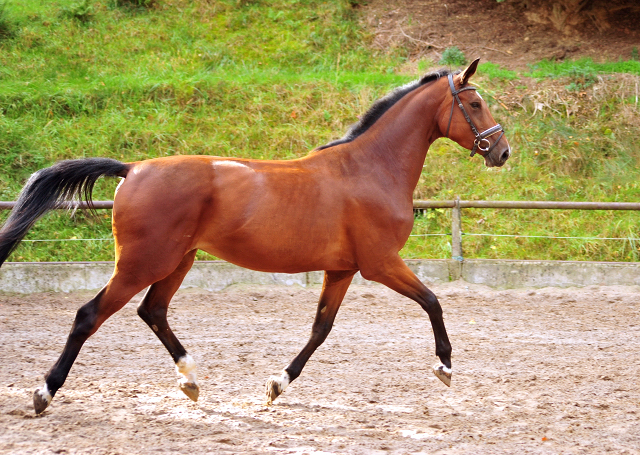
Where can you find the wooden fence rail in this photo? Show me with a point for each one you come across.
(456, 205)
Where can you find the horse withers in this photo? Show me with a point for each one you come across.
(345, 207)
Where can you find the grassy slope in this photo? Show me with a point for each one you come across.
(275, 79)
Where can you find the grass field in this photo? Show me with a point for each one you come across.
(274, 79)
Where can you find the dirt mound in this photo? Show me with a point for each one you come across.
(512, 33)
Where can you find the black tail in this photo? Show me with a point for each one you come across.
(48, 188)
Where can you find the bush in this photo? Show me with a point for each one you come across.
(81, 11)
(581, 79)
(7, 27)
(134, 3)
(453, 56)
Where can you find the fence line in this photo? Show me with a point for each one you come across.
(560, 205)
(8, 205)
(69, 240)
(521, 236)
(456, 219)
(456, 205)
(420, 204)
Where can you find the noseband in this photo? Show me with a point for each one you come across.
(481, 143)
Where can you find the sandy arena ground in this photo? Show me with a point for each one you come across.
(535, 371)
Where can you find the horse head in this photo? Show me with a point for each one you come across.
(465, 118)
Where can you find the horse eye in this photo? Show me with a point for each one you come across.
(475, 105)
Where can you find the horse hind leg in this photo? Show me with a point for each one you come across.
(153, 311)
(89, 318)
(333, 290)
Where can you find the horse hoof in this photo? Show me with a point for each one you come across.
(273, 390)
(443, 373)
(191, 390)
(41, 399)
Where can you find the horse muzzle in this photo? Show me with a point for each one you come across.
(498, 156)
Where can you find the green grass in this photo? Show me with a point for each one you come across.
(275, 79)
(548, 68)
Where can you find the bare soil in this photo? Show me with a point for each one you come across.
(535, 371)
(512, 33)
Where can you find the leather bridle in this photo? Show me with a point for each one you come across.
(481, 143)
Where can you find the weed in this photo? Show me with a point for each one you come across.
(8, 28)
(581, 79)
(133, 4)
(453, 56)
(81, 11)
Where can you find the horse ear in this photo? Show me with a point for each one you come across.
(470, 71)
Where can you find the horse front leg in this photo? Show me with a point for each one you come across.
(334, 288)
(396, 275)
(153, 311)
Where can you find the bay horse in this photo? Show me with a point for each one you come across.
(345, 207)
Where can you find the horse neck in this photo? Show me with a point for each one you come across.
(399, 141)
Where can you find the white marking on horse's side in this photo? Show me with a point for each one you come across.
(119, 185)
(229, 163)
(186, 367)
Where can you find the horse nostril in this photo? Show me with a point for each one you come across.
(505, 156)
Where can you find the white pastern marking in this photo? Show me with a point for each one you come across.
(45, 394)
(186, 367)
(441, 367)
(283, 381)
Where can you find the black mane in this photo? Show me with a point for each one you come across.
(383, 105)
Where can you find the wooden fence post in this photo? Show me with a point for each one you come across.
(456, 231)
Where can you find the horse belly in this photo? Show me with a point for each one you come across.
(275, 235)
(280, 247)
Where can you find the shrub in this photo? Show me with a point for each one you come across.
(581, 79)
(81, 11)
(453, 56)
(134, 3)
(8, 28)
